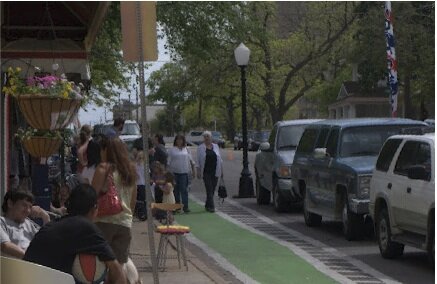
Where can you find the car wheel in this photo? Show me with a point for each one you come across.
(431, 247)
(311, 219)
(387, 247)
(351, 221)
(278, 200)
(262, 194)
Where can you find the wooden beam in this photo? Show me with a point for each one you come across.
(96, 24)
(45, 54)
(70, 8)
(44, 28)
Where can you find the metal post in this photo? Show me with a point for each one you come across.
(245, 189)
(145, 129)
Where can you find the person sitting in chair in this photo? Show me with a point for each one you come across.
(57, 243)
(16, 229)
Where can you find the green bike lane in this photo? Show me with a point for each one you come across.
(261, 259)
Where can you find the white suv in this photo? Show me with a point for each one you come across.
(402, 195)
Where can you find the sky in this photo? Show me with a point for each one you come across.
(96, 114)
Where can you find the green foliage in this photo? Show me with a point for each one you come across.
(109, 72)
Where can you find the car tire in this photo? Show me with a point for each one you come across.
(431, 247)
(351, 222)
(262, 194)
(311, 219)
(387, 247)
(279, 203)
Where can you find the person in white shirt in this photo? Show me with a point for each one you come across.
(179, 163)
(16, 229)
(209, 167)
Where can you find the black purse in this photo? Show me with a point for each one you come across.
(222, 193)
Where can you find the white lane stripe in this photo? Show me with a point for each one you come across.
(359, 264)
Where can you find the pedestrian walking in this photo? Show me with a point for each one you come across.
(140, 206)
(116, 176)
(93, 160)
(209, 167)
(160, 153)
(179, 163)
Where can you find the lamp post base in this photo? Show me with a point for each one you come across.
(245, 189)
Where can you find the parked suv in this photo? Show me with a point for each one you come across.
(333, 166)
(273, 163)
(402, 193)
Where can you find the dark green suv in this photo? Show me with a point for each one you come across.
(333, 166)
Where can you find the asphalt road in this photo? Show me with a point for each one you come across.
(413, 267)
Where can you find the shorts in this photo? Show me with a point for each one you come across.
(119, 238)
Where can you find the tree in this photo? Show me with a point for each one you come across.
(300, 59)
(109, 72)
(414, 35)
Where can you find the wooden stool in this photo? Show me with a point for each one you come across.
(166, 231)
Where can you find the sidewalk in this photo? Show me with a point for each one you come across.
(199, 270)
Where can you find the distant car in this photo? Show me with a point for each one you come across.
(333, 166)
(130, 132)
(402, 194)
(257, 138)
(217, 138)
(238, 140)
(195, 137)
(273, 164)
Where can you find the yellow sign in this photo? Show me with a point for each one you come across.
(130, 30)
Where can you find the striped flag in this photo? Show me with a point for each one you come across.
(392, 63)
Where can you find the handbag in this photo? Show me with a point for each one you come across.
(109, 202)
(222, 193)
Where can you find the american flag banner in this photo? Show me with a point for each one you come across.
(392, 63)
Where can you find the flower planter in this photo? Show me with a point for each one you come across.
(48, 113)
(41, 146)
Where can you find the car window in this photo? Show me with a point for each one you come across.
(272, 136)
(366, 140)
(321, 140)
(130, 129)
(413, 153)
(331, 144)
(289, 136)
(307, 141)
(387, 153)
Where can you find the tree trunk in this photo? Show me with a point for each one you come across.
(408, 106)
(199, 113)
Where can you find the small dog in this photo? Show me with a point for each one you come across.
(131, 272)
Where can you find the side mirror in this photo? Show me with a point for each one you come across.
(320, 153)
(418, 172)
(265, 147)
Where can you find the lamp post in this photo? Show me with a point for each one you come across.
(245, 189)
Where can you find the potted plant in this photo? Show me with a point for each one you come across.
(40, 143)
(47, 102)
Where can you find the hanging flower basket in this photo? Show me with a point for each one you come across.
(46, 112)
(39, 143)
(42, 146)
(48, 102)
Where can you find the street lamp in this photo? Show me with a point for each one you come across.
(245, 189)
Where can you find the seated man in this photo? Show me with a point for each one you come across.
(16, 229)
(57, 243)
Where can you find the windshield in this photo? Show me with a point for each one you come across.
(367, 141)
(261, 136)
(216, 134)
(289, 136)
(130, 129)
